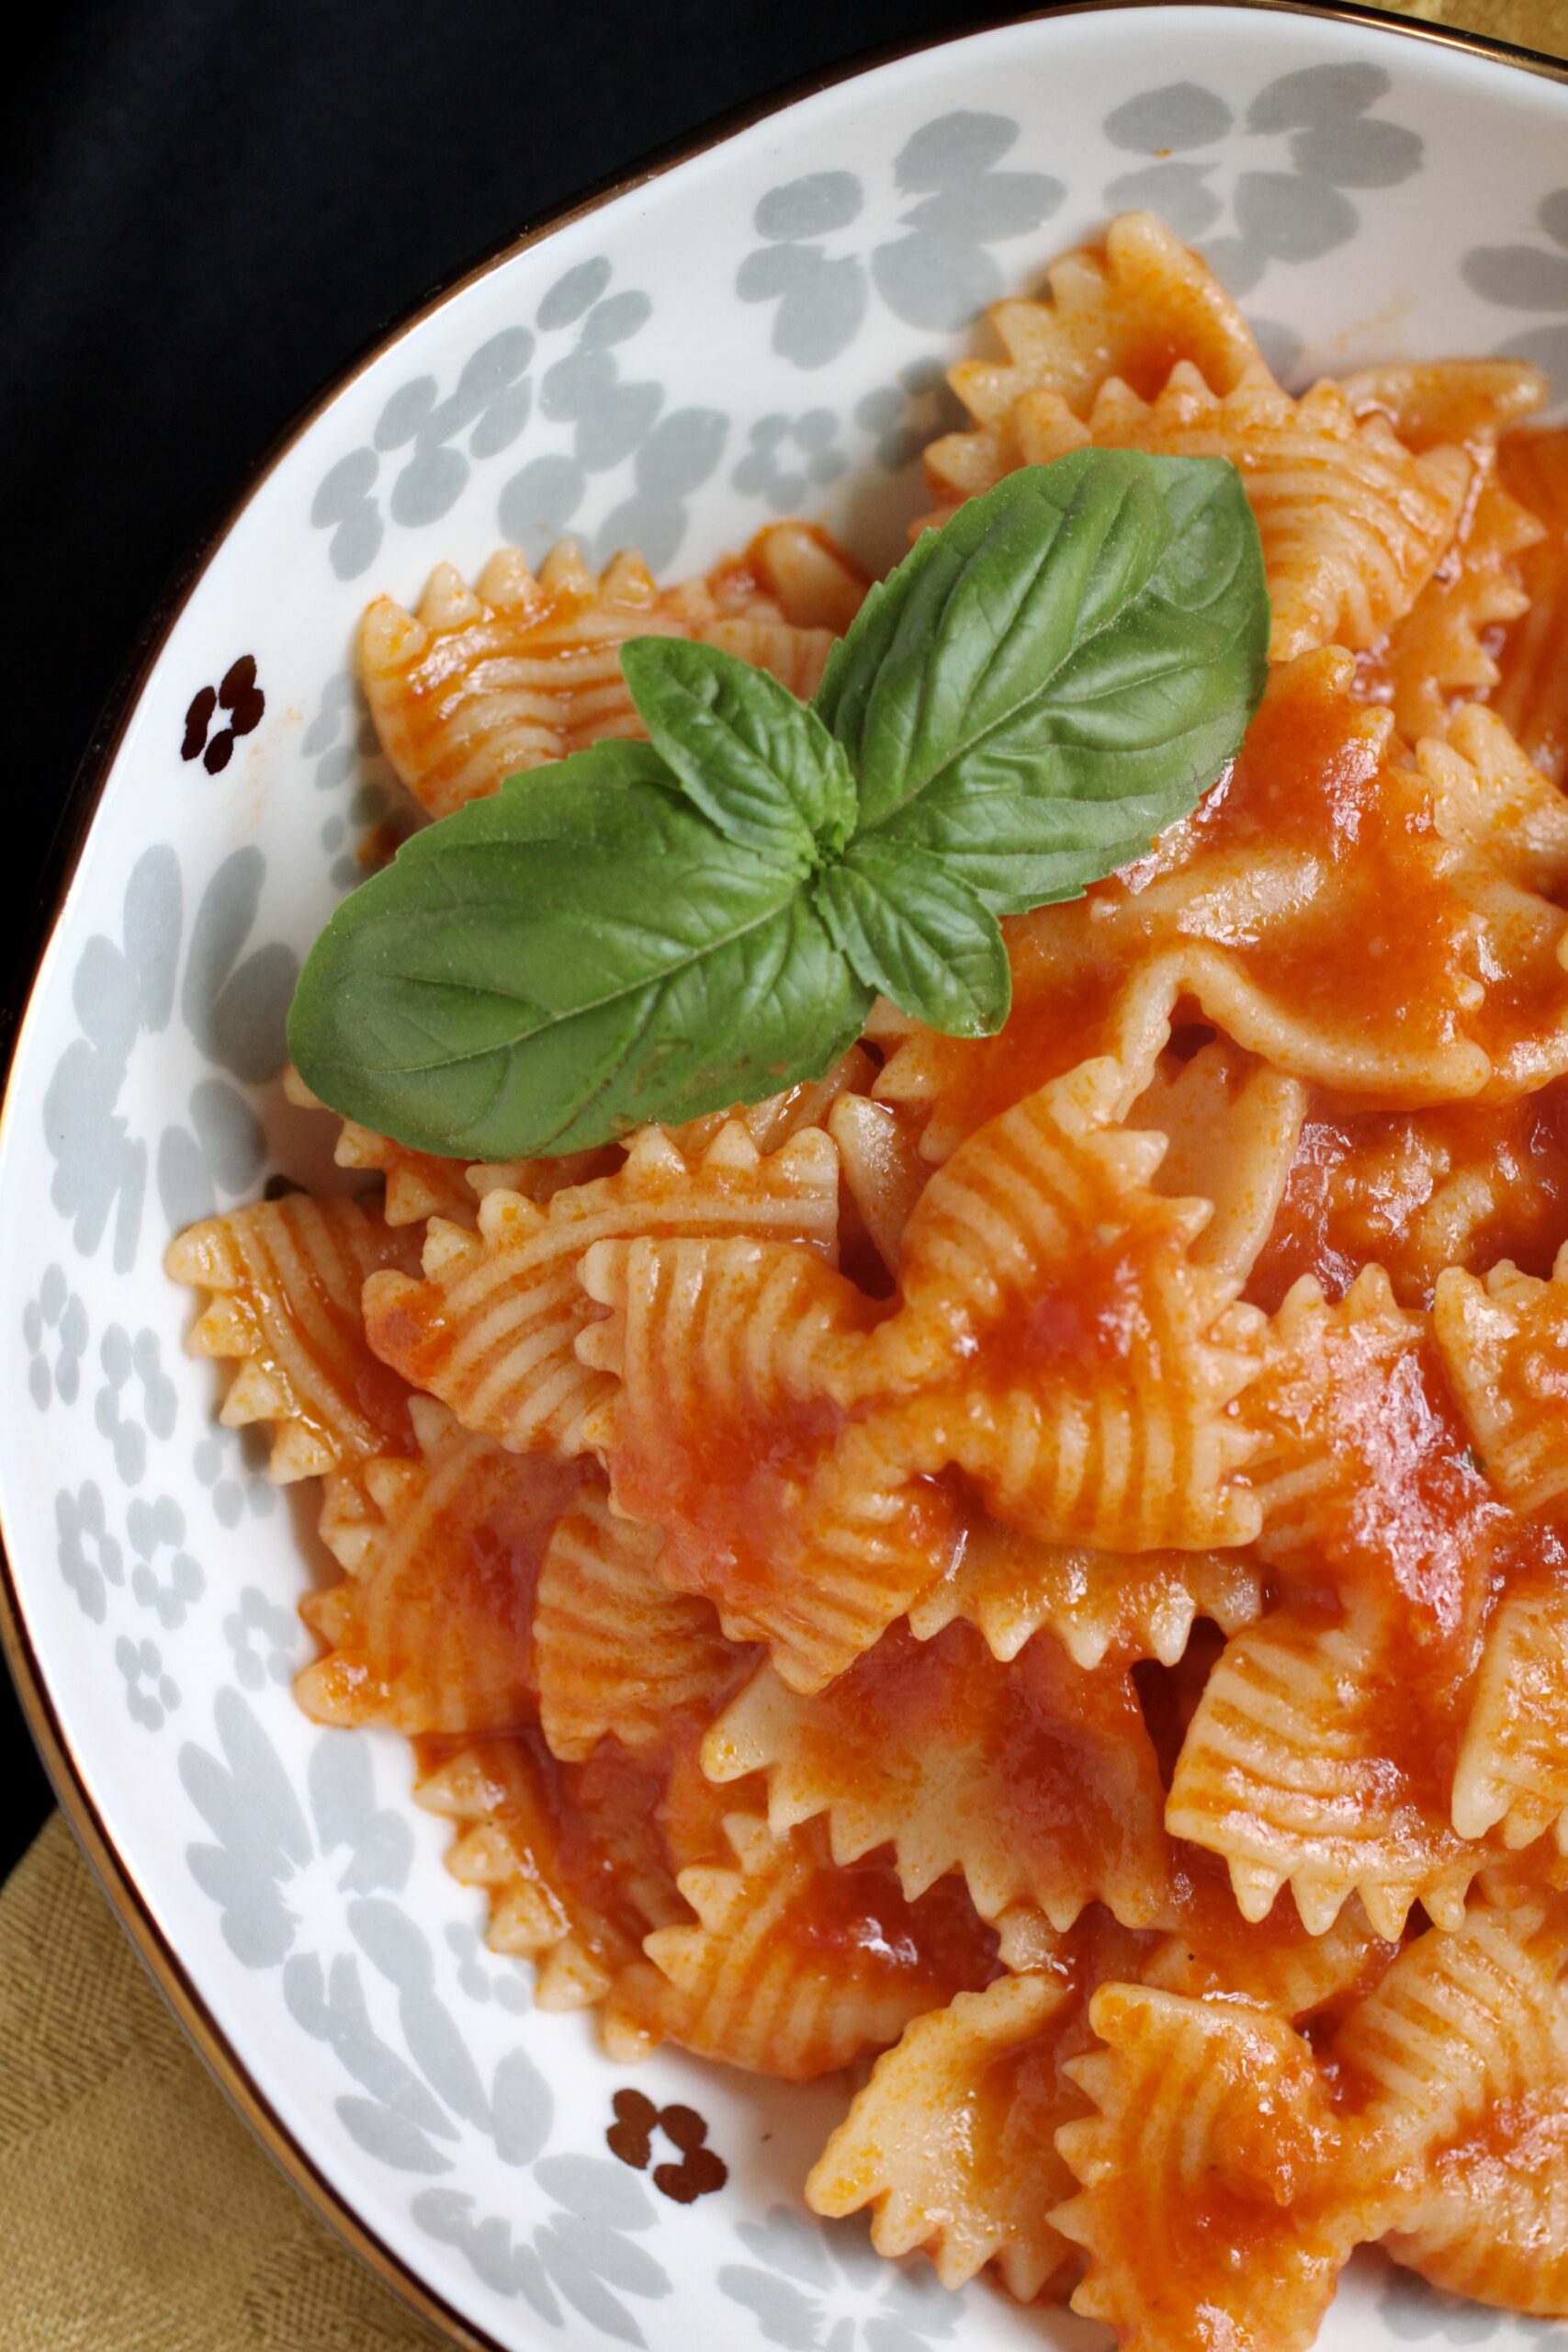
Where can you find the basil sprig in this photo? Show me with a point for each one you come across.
(651, 931)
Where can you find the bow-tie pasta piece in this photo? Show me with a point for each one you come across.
(1493, 2222)
(952, 2143)
(1461, 2055)
(1362, 1462)
(1297, 1974)
(1512, 1772)
(1090, 1009)
(417, 1185)
(1453, 403)
(1327, 1372)
(1508, 829)
(1532, 696)
(1466, 2021)
(806, 1529)
(1206, 2173)
(285, 1278)
(1419, 1191)
(1314, 1757)
(1063, 1346)
(518, 670)
(1035, 1779)
(430, 1629)
(492, 1327)
(1125, 1605)
(616, 1652)
(794, 1967)
(1353, 524)
(1233, 1124)
(1442, 652)
(1505, 1346)
(580, 1928)
(1310, 909)
(1308, 1763)
(1009, 1216)
(1131, 308)
(580, 1860)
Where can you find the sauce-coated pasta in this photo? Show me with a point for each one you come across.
(1039, 1562)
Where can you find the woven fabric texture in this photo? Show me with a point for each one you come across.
(137, 2210)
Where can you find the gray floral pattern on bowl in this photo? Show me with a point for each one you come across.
(1530, 275)
(958, 201)
(414, 2091)
(424, 444)
(1306, 140)
(232, 1002)
(806, 2285)
(766, 330)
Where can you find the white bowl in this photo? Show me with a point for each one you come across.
(760, 327)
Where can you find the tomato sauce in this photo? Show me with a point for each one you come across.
(852, 1918)
(1464, 1183)
(1312, 877)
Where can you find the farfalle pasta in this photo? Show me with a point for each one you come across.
(1038, 1563)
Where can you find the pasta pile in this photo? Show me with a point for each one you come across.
(1037, 1570)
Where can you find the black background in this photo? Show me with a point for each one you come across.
(208, 208)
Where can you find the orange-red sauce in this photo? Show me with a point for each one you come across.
(1038, 1766)
(1365, 1185)
(1366, 941)
(1063, 1772)
(1532, 691)
(858, 1916)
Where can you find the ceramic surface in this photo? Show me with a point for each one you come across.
(760, 330)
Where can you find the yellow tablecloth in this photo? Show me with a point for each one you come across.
(1537, 24)
(137, 2214)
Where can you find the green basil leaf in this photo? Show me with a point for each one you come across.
(1093, 631)
(755, 760)
(914, 929)
(653, 931)
(581, 953)
(1017, 852)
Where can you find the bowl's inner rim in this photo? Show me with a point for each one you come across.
(100, 767)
